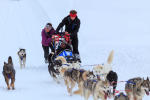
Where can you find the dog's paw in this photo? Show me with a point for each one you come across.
(58, 82)
(70, 94)
(13, 88)
(8, 88)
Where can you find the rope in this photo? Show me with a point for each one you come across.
(118, 91)
(95, 65)
(128, 82)
(101, 74)
(91, 65)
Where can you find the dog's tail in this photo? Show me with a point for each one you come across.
(62, 59)
(110, 57)
(10, 60)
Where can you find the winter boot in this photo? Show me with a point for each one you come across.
(46, 61)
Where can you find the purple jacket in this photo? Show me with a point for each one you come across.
(46, 37)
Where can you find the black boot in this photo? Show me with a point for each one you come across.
(77, 57)
(46, 61)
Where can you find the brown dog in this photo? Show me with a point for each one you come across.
(75, 76)
(9, 73)
(98, 89)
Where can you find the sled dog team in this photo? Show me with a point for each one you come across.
(100, 83)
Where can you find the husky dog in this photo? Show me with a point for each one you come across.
(104, 72)
(22, 57)
(98, 89)
(60, 62)
(54, 66)
(73, 76)
(121, 96)
(112, 77)
(9, 73)
(76, 64)
(53, 69)
(104, 69)
(136, 88)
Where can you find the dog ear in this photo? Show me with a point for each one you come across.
(5, 63)
(147, 79)
(9, 57)
(23, 49)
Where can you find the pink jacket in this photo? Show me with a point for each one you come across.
(46, 37)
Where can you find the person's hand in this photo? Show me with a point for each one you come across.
(55, 32)
(66, 32)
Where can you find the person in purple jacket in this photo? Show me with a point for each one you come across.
(47, 33)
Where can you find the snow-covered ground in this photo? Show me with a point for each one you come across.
(121, 25)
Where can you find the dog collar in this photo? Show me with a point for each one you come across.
(21, 57)
(129, 82)
(9, 76)
(81, 71)
(94, 80)
(66, 64)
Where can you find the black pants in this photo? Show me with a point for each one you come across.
(75, 45)
(46, 51)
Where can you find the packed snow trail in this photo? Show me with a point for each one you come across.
(105, 25)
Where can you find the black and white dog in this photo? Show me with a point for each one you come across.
(112, 77)
(54, 66)
(22, 57)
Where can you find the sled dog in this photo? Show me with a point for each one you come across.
(98, 89)
(9, 73)
(104, 69)
(22, 57)
(136, 88)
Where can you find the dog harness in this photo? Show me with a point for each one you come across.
(9, 76)
(120, 95)
(129, 82)
(66, 64)
(21, 58)
(82, 71)
(98, 77)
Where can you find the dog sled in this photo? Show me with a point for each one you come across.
(62, 46)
